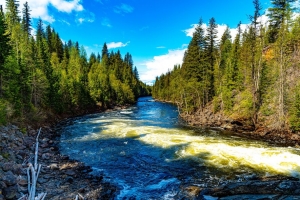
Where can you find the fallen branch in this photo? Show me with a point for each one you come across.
(33, 172)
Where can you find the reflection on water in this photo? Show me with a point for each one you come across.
(146, 153)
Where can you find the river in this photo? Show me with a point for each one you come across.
(146, 152)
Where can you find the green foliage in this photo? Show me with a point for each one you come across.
(3, 112)
(5, 155)
(294, 118)
(40, 74)
(278, 14)
(243, 109)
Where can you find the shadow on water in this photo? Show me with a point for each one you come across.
(141, 170)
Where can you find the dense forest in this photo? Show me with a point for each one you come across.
(39, 74)
(254, 76)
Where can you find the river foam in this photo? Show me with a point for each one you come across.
(223, 153)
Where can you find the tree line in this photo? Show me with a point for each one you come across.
(254, 76)
(40, 74)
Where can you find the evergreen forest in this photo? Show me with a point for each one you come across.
(40, 75)
(253, 77)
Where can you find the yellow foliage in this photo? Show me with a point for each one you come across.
(269, 54)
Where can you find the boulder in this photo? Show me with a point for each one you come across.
(22, 181)
(9, 178)
(70, 172)
(10, 192)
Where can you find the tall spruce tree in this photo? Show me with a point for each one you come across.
(278, 14)
(26, 19)
(4, 48)
(104, 51)
(256, 45)
(211, 54)
(12, 14)
(190, 66)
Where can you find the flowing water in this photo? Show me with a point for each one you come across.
(147, 153)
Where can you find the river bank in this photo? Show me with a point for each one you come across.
(60, 177)
(206, 118)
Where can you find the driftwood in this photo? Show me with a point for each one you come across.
(33, 172)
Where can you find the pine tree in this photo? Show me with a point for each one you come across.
(136, 73)
(12, 14)
(223, 72)
(279, 22)
(4, 48)
(49, 39)
(26, 20)
(236, 51)
(256, 40)
(278, 14)
(190, 66)
(118, 65)
(211, 55)
(104, 51)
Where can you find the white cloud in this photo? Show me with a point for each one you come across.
(123, 8)
(67, 6)
(113, 45)
(65, 22)
(296, 5)
(39, 8)
(85, 16)
(160, 64)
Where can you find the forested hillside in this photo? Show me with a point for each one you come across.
(40, 74)
(253, 77)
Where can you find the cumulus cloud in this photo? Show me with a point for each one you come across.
(39, 8)
(66, 6)
(123, 8)
(161, 64)
(113, 45)
(85, 16)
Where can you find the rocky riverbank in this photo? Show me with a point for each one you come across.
(60, 177)
(240, 127)
(276, 187)
(267, 188)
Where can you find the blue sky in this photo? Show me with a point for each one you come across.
(155, 32)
